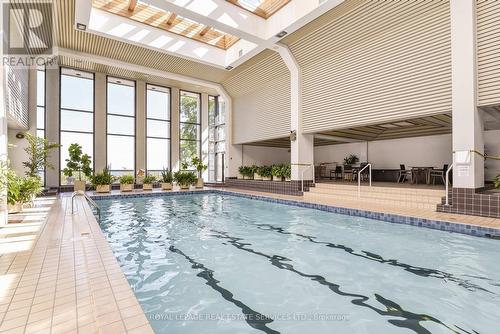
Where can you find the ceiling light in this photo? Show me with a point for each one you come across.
(281, 34)
(81, 26)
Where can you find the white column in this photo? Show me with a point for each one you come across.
(467, 121)
(100, 136)
(140, 126)
(204, 132)
(302, 148)
(174, 135)
(3, 141)
(52, 123)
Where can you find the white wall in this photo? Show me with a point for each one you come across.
(258, 155)
(428, 151)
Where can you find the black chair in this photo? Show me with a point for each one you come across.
(404, 173)
(439, 173)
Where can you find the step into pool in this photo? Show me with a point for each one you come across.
(216, 263)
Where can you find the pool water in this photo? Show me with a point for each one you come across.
(216, 263)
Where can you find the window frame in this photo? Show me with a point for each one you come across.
(61, 68)
(169, 139)
(134, 117)
(213, 130)
(44, 107)
(199, 125)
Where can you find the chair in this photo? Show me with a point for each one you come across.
(404, 173)
(337, 172)
(439, 173)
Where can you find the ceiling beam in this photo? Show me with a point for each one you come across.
(131, 5)
(204, 31)
(171, 18)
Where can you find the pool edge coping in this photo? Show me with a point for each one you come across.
(440, 225)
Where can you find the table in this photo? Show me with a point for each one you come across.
(418, 171)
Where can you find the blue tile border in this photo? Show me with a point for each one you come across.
(446, 226)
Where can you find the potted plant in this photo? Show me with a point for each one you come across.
(184, 179)
(496, 182)
(102, 181)
(79, 163)
(166, 179)
(20, 190)
(286, 172)
(38, 152)
(256, 175)
(147, 183)
(30, 187)
(126, 182)
(277, 173)
(350, 160)
(266, 172)
(200, 168)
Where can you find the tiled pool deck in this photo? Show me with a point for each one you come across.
(58, 273)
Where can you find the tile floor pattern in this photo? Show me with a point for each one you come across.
(60, 276)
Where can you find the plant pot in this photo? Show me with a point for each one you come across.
(184, 186)
(79, 185)
(266, 178)
(15, 208)
(240, 177)
(288, 179)
(200, 183)
(166, 186)
(126, 187)
(103, 188)
(257, 176)
(147, 186)
(277, 178)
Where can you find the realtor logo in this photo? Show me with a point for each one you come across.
(27, 25)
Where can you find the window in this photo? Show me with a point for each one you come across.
(76, 114)
(40, 111)
(121, 126)
(216, 139)
(190, 127)
(157, 128)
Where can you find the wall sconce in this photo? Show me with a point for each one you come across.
(293, 135)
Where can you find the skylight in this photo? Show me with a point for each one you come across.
(262, 8)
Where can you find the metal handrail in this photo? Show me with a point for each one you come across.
(89, 200)
(369, 166)
(447, 202)
(302, 174)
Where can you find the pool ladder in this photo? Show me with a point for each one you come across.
(89, 200)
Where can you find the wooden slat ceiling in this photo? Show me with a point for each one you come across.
(262, 8)
(66, 36)
(425, 126)
(171, 22)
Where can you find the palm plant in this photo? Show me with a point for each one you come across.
(38, 151)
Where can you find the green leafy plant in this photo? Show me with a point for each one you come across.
(127, 179)
(277, 171)
(38, 151)
(184, 178)
(496, 182)
(103, 178)
(149, 179)
(199, 165)
(77, 162)
(265, 171)
(286, 171)
(166, 176)
(246, 171)
(30, 187)
(351, 159)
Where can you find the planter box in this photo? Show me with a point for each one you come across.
(266, 178)
(79, 185)
(200, 183)
(277, 179)
(14, 208)
(147, 186)
(166, 186)
(103, 188)
(126, 187)
(184, 187)
(288, 180)
(257, 177)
